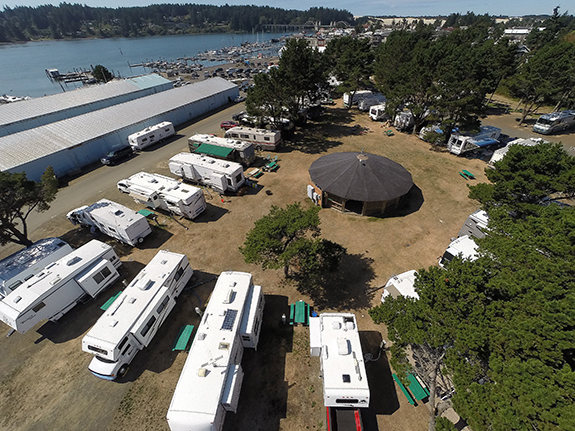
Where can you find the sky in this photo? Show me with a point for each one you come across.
(405, 8)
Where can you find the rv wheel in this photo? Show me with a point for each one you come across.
(123, 370)
(258, 147)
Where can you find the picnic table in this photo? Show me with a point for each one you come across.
(110, 301)
(183, 337)
(271, 166)
(256, 173)
(299, 313)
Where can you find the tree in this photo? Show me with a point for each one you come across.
(352, 62)
(278, 239)
(18, 198)
(102, 74)
(268, 97)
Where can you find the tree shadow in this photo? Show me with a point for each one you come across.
(346, 289)
(383, 396)
(264, 393)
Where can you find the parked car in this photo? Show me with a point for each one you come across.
(239, 99)
(117, 155)
(229, 124)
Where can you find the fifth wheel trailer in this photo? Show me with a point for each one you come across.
(460, 143)
(211, 379)
(24, 264)
(158, 191)
(61, 285)
(464, 247)
(112, 219)
(220, 175)
(223, 148)
(131, 322)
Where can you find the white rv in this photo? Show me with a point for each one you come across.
(403, 121)
(263, 139)
(220, 175)
(60, 286)
(212, 376)
(475, 225)
(150, 135)
(366, 103)
(334, 337)
(501, 152)
(460, 143)
(401, 285)
(135, 316)
(158, 191)
(554, 122)
(112, 219)
(223, 148)
(357, 97)
(377, 112)
(464, 247)
(24, 264)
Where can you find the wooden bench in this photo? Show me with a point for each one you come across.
(183, 338)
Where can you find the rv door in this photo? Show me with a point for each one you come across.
(218, 181)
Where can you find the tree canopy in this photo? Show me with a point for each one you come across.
(20, 196)
(102, 74)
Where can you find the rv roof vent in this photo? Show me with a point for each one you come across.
(210, 160)
(164, 262)
(55, 281)
(118, 212)
(17, 299)
(224, 346)
(202, 336)
(202, 372)
(346, 378)
(343, 346)
(51, 265)
(336, 325)
(113, 323)
(144, 283)
(232, 283)
(132, 300)
(229, 297)
(349, 325)
(74, 260)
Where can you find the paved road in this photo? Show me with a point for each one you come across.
(92, 185)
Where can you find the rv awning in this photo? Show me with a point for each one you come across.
(213, 150)
(486, 142)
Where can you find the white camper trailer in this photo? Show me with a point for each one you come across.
(401, 285)
(464, 247)
(357, 97)
(220, 175)
(60, 286)
(211, 379)
(223, 148)
(150, 135)
(460, 143)
(554, 122)
(403, 121)
(377, 112)
(501, 152)
(24, 264)
(475, 225)
(112, 219)
(135, 316)
(375, 99)
(158, 191)
(334, 337)
(263, 139)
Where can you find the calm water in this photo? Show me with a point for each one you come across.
(22, 66)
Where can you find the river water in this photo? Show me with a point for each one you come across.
(22, 66)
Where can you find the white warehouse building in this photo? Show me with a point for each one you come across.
(71, 144)
(17, 117)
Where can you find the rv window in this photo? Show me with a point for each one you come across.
(97, 350)
(163, 304)
(144, 139)
(113, 258)
(229, 181)
(38, 307)
(244, 136)
(104, 360)
(344, 401)
(124, 341)
(148, 326)
(112, 229)
(28, 277)
(126, 349)
(166, 130)
(15, 285)
(234, 135)
(266, 138)
(238, 178)
(245, 338)
(98, 278)
(179, 273)
(152, 136)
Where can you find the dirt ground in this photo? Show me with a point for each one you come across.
(44, 381)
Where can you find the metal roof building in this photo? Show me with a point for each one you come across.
(27, 114)
(71, 144)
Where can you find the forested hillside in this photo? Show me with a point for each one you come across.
(79, 21)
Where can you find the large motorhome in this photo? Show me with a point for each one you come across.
(378, 113)
(135, 316)
(112, 219)
(554, 122)
(60, 286)
(464, 247)
(263, 139)
(401, 285)
(223, 148)
(211, 379)
(460, 143)
(161, 192)
(24, 264)
(150, 135)
(475, 225)
(220, 175)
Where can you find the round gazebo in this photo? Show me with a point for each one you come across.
(362, 183)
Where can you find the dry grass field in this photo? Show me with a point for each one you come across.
(44, 381)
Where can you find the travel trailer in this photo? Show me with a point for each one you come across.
(403, 121)
(357, 97)
(150, 135)
(133, 319)
(554, 122)
(211, 379)
(220, 175)
(460, 143)
(60, 286)
(475, 225)
(161, 192)
(263, 139)
(377, 112)
(112, 219)
(401, 285)
(464, 247)
(500, 152)
(223, 148)
(366, 103)
(24, 264)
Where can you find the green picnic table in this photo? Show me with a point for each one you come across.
(404, 390)
(110, 301)
(299, 313)
(183, 337)
(419, 392)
